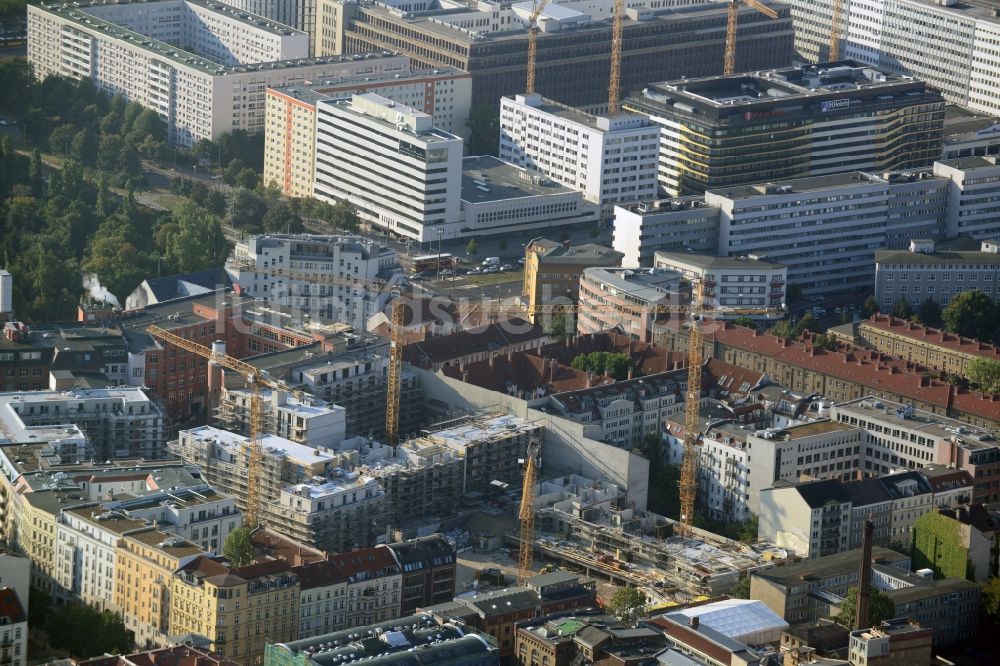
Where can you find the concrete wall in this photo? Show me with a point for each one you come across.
(565, 447)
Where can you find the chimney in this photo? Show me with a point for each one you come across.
(492, 361)
(630, 376)
(862, 618)
(590, 378)
(694, 622)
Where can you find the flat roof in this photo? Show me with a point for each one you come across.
(170, 544)
(799, 185)
(359, 102)
(502, 181)
(712, 261)
(828, 566)
(270, 443)
(482, 429)
(328, 88)
(191, 59)
(647, 284)
(933, 425)
(107, 520)
(812, 429)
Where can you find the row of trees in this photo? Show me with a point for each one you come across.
(613, 364)
(972, 314)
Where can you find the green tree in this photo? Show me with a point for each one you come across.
(742, 589)
(83, 148)
(85, 631)
(869, 307)
(560, 325)
(901, 309)
(930, 313)
(989, 603)
(472, 247)
(198, 242)
(247, 178)
(245, 210)
(60, 139)
(108, 151)
(613, 364)
(745, 321)
(881, 608)
(35, 174)
(148, 122)
(628, 603)
(238, 548)
(973, 314)
(984, 374)
(484, 130)
(749, 529)
(281, 218)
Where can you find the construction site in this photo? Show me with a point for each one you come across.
(585, 525)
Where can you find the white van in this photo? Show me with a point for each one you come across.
(491, 261)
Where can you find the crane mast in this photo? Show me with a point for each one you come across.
(395, 371)
(526, 514)
(689, 469)
(729, 62)
(614, 84)
(835, 20)
(536, 11)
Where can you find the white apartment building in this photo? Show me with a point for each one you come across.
(302, 418)
(339, 278)
(203, 67)
(899, 437)
(401, 173)
(85, 543)
(290, 126)
(819, 450)
(110, 423)
(199, 514)
(951, 45)
(927, 271)
(298, 14)
(730, 283)
(611, 159)
(686, 223)
(724, 473)
(811, 519)
(626, 412)
(973, 196)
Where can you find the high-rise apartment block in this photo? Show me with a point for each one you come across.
(303, 495)
(662, 41)
(340, 278)
(786, 123)
(202, 66)
(611, 159)
(290, 129)
(298, 14)
(954, 50)
(388, 159)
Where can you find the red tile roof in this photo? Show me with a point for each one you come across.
(492, 337)
(370, 561)
(524, 371)
(933, 336)
(874, 370)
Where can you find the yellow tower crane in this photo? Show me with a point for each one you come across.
(536, 10)
(395, 370)
(526, 555)
(692, 404)
(254, 380)
(614, 85)
(729, 66)
(836, 17)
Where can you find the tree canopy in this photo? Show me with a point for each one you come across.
(930, 313)
(881, 608)
(238, 549)
(627, 603)
(612, 364)
(973, 314)
(984, 374)
(87, 632)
